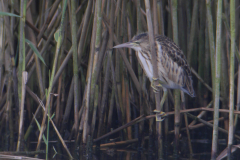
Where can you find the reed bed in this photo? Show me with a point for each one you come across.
(65, 90)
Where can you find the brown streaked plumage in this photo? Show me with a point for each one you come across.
(173, 69)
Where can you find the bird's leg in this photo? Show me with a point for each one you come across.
(163, 98)
(155, 89)
(160, 113)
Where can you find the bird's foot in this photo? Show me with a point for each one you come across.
(160, 115)
(155, 87)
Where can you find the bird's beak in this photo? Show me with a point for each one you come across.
(127, 45)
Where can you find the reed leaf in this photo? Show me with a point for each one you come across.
(35, 51)
(9, 14)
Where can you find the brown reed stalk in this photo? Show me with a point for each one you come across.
(59, 42)
(104, 98)
(211, 40)
(155, 71)
(141, 76)
(118, 62)
(136, 120)
(225, 64)
(116, 95)
(186, 124)
(155, 18)
(95, 88)
(192, 127)
(201, 49)
(122, 69)
(6, 142)
(160, 17)
(158, 124)
(54, 22)
(217, 80)
(75, 63)
(128, 107)
(110, 112)
(33, 39)
(139, 14)
(238, 92)
(50, 15)
(211, 125)
(207, 67)
(231, 80)
(95, 105)
(181, 22)
(176, 92)
(2, 50)
(83, 79)
(10, 113)
(201, 113)
(12, 68)
(84, 29)
(21, 71)
(192, 31)
(45, 47)
(21, 114)
(36, 98)
(90, 71)
(114, 85)
(142, 118)
(32, 123)
(68, 107)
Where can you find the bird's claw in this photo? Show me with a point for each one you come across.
(155, 89)
(160, 115)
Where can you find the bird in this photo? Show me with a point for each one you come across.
(173, 69)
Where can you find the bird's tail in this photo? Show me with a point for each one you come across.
(188, 88)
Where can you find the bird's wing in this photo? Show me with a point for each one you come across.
(175, 64)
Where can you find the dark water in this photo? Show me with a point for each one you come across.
(201, 150)
(201, 141)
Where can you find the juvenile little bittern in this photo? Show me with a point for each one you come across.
(173, 69)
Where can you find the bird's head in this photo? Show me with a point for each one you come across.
(137, 43)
